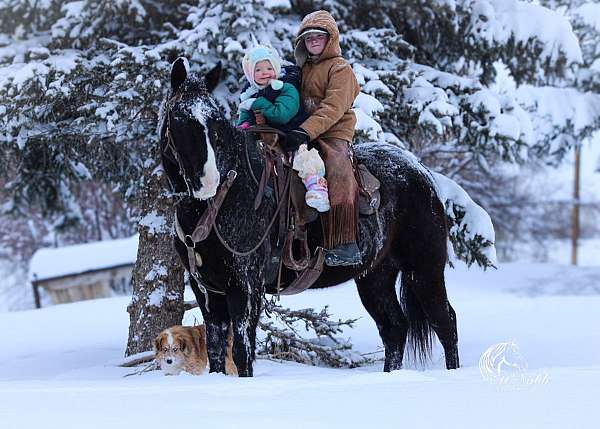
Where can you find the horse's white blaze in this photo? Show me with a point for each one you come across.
(211, 177)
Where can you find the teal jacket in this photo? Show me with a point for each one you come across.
(280, 111)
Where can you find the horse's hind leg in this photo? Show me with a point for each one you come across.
(431, 294)
(377, 291)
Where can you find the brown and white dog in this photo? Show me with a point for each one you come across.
(183, 348)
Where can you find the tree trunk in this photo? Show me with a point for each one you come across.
(157, 300)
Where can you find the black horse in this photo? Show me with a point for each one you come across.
(198, 144)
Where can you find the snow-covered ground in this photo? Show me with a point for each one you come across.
(57, 366)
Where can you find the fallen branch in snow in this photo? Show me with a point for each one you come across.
(152, 366)
(285, 342)
(136, 359)
(286, 356)
(373, 353)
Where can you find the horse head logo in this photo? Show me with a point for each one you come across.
(502, 363)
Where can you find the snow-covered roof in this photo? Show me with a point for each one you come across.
(49, 263)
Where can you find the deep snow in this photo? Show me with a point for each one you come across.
(57, 366)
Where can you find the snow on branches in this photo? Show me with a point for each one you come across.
(472, 235)
(83, 81)
(562, 118)
(502, 22)
(307, 336)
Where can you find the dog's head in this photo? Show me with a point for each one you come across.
(171, 349)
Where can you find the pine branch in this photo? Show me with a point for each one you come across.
(287, 343)
(284, 341)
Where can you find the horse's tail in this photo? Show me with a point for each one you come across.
(420, 332)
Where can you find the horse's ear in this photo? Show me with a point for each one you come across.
(179, 72)
(212, 77)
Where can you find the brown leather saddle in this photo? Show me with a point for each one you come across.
(277, 173)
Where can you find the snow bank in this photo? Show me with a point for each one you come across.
(63, 360)
(55, 262)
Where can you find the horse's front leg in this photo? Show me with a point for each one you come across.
(244, 303)
(217, 326)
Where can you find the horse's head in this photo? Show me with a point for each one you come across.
(187, 154)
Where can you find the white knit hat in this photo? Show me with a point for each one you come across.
(256, 54)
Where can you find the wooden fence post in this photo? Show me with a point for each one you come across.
(576, 205)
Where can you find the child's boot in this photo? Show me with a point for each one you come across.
(317, 195)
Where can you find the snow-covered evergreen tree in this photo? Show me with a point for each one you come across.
(83, 96)
(82, 83)
(574, 107)
(440, 97)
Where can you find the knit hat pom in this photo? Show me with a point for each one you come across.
(256, 54)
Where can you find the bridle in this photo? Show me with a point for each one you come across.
(207, 221)
(170, 151)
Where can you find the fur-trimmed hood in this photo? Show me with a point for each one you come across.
(320, 19)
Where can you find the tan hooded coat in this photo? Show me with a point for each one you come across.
(329, 86)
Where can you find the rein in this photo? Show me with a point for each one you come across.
(171, 146)
(208, 219)
(266, 233)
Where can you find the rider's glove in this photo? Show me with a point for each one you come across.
(294, 139)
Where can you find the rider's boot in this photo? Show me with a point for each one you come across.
(343, 255)
(340, 222)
